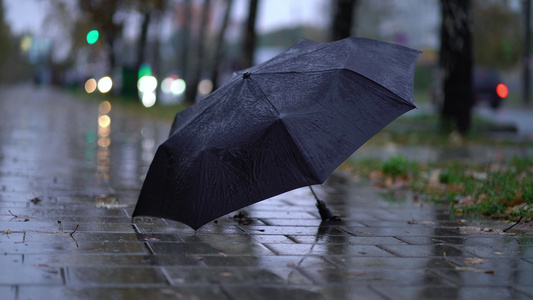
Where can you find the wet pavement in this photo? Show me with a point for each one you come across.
(70, 173)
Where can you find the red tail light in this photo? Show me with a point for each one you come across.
(502, 90)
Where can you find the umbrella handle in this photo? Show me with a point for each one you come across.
(323, 210)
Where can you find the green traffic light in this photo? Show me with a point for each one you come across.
(144, 70)
(92, 36)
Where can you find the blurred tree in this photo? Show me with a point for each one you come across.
(286, 37)
(101, 14)
(497, 29)
(185, 37)
(369, 16)
(5, 37)
(219, 47)
(142, 37)
(343, 13)
(148, 8)
(250, 35)
(193, 77)
(456, 64)
(526, 68)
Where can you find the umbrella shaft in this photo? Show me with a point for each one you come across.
(314, 194)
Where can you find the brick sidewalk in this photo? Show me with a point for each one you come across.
(55, 177)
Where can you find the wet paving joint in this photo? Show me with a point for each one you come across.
(66, 230)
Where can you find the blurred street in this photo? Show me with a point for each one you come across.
(521, 117)
(70, 173)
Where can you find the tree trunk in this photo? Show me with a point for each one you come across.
(185, 41)
(192, 85)
(456, 61)
(141, 47)
(527, 47)
(342, 19)
(110, 40)
(220, 45)
(249, 36)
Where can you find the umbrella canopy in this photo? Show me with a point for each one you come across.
(283, 124)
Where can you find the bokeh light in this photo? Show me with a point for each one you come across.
(178, 86)
(25, 43)
(147, 84)
(104, 108)
(502, 90)
(104, 121)
(205, 87)
(90, 85)
(105, 84)
(92, 36)
(104, 142)
(148, 99)
(166, 84)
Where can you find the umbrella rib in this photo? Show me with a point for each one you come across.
(400, 98)
(256, 85)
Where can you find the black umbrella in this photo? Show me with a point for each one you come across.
(283, 124)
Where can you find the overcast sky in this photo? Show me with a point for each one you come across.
(28, 15)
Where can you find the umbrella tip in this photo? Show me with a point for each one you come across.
(246, 75)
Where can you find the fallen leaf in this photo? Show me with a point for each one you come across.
(498, 253)
(225, 274)
(466, 269)
(474, 260)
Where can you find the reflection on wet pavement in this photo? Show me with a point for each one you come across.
(76, 241)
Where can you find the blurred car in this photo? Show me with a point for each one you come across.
(488, 87)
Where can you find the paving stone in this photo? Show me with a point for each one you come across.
(207, 248)
(376, 277)
(327, 249)
(73, 245)
(389, 231)
(308, 222)
(296, 261)
(87, 236)
(346, 239)
(8, 292)
(424, 251)
(230, 275)
(109, 260)
(276, 239)
(343, 291)
(385, 263)
(492, 278)
(16, 273)
(113, 293)
(287, 230)
(114, 276)
(445, 293)
(271, 292)
(525, 291)
(498, 251)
